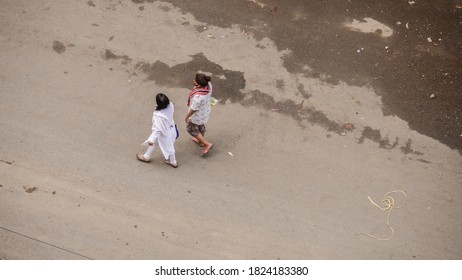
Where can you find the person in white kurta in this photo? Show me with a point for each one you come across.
(164, 132)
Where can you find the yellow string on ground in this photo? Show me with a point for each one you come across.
(389, 204)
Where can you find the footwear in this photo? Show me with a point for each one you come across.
(206, 150)
(199, 143)
(171, 164)
(142, 158)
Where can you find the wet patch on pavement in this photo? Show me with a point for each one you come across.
(406, 149)
(292, 109)
(59, 47)
(385, 143)
(303, 92)
(230, 85)
(386, 58)
(375, 136)
(28, 189)
(142, 1)
(110, 55)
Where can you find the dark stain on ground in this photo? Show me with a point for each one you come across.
(91, 4)
(405, 74)
(59, 47)
(303, 92)
(200, 28)
(375, 136)
(110, 55)
(5, 161)
(280, 84)
(142, 1)
(408, 150)
(229, 85)
(30, 189)
(290, 108)
(165, 8)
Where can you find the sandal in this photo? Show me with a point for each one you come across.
(199, 143)
(142, 158)
(171, 164)
(207, 149)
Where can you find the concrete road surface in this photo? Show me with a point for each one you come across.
(322, 104)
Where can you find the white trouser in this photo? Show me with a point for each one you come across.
(151, 150)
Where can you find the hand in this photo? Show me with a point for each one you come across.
(188, 115)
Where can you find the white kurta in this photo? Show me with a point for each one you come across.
(163, 130)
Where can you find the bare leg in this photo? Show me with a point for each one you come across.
(204, 141)
(207, 144)
(199, 143)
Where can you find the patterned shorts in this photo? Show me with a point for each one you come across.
(195, 129)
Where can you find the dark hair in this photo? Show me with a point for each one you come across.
(202, 79)
(162, 101)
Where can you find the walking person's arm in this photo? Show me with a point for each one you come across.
(188, 115)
